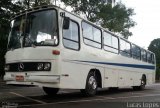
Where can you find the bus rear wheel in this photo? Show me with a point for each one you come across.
(143, 84)
(91, 85)
(50, 91)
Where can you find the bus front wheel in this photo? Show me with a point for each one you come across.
(91, 85)
(50, 91)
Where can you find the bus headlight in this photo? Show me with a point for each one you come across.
(47, 66)
(7, 67)
(40, 66)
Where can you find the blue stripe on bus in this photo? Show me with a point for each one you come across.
(120, 64)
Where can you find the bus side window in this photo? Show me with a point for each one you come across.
(125, 48)
(92, 36)
(136, 52)
(153, 59)
(144, 55)
(149, 57)
(110, 43)
(71, 36)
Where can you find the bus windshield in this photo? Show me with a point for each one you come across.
(36, 28)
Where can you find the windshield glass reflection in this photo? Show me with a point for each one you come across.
(38, 29)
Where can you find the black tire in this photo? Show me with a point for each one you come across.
(143, 84)
(91, 85)
(50, 91)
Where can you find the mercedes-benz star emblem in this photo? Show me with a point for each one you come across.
(21, 66)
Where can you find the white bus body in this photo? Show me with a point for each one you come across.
(70, 68)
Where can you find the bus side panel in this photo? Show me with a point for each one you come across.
(77, 74)
(111, 77)
(136, 78)
(125, 78)
(149, 78)
(154, 76)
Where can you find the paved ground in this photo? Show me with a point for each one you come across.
(34, 97)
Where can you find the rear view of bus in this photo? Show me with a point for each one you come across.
(32, 56)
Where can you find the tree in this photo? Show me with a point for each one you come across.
(87, 7)
(155, 47)
(33, 3)
(3, 44)
(116, 19)
(7, 9)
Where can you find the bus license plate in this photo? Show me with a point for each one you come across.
(19, 78)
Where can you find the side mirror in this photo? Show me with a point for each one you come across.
(66, 23)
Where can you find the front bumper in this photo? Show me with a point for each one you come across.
(30, 79)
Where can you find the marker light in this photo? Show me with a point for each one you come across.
(56, 52)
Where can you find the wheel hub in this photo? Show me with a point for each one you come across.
(92, 82)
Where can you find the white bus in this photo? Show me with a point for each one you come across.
(55, 49)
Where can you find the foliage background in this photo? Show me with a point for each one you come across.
(116, 18)
(7, 9)
(155, 47)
